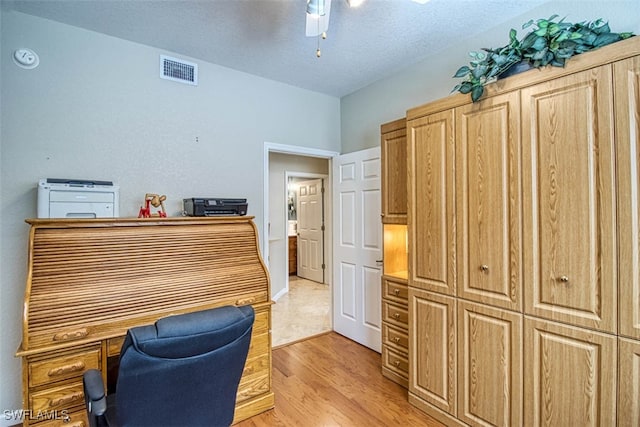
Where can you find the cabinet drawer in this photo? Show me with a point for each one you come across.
(253, 384)
(395, 337)
(398, 362)
(66, 419)
(57, 398)
(395, 291)
(63, 367)
(114, 345)
(395, 314)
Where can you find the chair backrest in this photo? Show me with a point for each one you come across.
(184, 370)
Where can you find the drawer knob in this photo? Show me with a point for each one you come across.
(396, 292)
(396, 339)
(72, 335)
(396, 363)
(67, 369)
(245, 301)
(484, 268)
(396, 315)
(564, 279)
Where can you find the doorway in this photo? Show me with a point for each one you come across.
(302, 308)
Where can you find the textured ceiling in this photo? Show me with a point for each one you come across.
(267, 37)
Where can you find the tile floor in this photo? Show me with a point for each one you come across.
(303, 312)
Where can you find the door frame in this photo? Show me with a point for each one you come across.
(270, 147)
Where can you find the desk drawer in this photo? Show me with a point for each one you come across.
(66, 419)
(255, 378)
(63, 367)
(57, 398)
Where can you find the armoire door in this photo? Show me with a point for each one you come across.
(432, 349)
(489, 365)
(628, 383)
(569, 200)
(569, 375)
(393, 147)
(431, 216)
(488, 211)
(627, 98)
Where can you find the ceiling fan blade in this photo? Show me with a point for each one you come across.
(318, 24)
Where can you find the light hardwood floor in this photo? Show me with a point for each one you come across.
(302, 312)
(329, 380)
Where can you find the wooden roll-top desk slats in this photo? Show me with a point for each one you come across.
(90, 280)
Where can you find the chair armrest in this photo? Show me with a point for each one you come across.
(94, 395)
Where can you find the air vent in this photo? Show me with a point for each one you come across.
(178, 70)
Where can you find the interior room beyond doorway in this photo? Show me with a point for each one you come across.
(302, 308)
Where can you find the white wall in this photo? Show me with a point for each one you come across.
(279, 165)
(95, 108)
(389, 99)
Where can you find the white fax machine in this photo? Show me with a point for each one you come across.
(67, 198)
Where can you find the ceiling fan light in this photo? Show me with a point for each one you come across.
(355, 3)
(315, 7)
(420, 1)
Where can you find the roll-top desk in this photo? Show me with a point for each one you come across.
(89, 280)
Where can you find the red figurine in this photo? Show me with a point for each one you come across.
(155, 201)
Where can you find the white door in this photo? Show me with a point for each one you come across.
(357, 247)
(310, 230)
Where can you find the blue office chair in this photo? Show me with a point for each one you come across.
(182, 371)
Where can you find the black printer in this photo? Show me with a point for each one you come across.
(214, 207)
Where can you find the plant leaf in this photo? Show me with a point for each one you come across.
(512, 35)
(477, 92)
(604, 28)
(528, 41)
(541, 32)
(479, 71)
(539, 54)
(605, 39)
(465, 87)
(543, 23)
(462, 71)
(539, 44)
